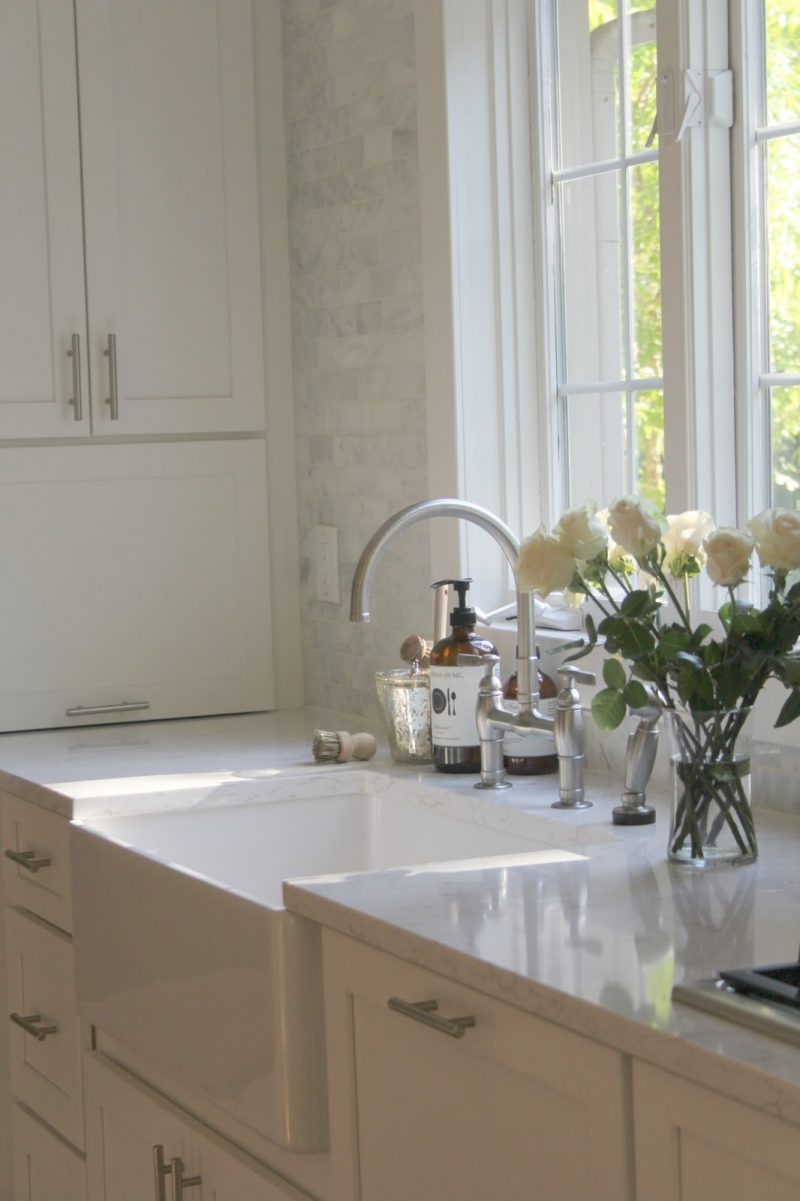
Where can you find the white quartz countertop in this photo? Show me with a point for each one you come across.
(594, 941)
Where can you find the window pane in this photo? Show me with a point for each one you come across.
(785, 413)
(642, 78)
(783, 60)
(588, 81)
(648, 447)
(646, 266)
(593, 279)
(615, 446)
(596, 448)
(783, 241)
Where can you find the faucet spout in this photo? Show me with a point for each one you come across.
(527, 695)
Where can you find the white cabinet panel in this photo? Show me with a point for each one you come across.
(693, 1144)
(42, 299)
(517, 1108)
(126, 1122)
(46, 1072)
(171, 198)
(45, 1168)
(134, 575)
(40, 880)
(153, 161)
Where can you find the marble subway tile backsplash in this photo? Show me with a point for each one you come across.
(356, 274)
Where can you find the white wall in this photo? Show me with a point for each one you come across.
(357, 325)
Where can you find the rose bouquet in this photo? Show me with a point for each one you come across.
(636, 568)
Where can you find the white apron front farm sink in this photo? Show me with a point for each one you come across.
(186, 954)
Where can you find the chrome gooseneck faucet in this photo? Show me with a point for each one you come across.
(492, 717)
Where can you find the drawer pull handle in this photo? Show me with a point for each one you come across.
(91, 710)
(179, 1181)
(112, 400)
(30, 860)
(423, 1011)
(29, 1024)
(160, 1170)
(75, 354)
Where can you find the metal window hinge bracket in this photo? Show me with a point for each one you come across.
(704, 99)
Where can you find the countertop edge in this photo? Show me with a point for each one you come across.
(684, 1052)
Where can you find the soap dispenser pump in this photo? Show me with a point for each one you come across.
(454, 688)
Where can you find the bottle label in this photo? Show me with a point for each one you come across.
(454, 698)
(532, 746)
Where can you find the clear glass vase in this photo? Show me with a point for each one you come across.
(712, 820)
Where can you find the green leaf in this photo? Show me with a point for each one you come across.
(693, 661)
(591, 628)
(608, 708)
(635, 695)
(790, 710)
(636, 604)
(584, 650)
(673, 639)
(614, 673)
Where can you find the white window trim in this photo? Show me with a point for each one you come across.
(483, 365)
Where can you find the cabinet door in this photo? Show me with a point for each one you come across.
(693, 1144)
(42, 300)
(171, 200)
(133, 576)
(45, 1168)
(128, 1126)
(516, 1108)
(45, 1067)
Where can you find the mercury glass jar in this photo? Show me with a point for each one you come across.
(404, 694)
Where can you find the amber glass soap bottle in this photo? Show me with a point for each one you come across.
(531, 754)
(454, 688)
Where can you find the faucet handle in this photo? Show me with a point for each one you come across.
(576, 675)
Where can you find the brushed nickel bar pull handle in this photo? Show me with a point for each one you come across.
(422, 1011)
(74, 353)
(113, 397)
(28, 1022)
(179, 1181)
(91, 710)
(160, 1172)
(29, 860)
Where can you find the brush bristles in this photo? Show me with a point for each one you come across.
(326, 745)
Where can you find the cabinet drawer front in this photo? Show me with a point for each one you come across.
(45, 1070)
(488, 1101)
(44, 1166)
(37, 835)
(126, 1121)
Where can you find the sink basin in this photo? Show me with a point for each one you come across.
(186, 954)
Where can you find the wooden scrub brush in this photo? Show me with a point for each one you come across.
(338, 746)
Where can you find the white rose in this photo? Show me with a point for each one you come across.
(544, 565)
(618, 559)
(581, 533)
(635, 529)
(777, 537)
(685, 535)
(728, 554)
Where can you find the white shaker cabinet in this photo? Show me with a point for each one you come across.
(516, 1108)
(136, 582)
(153, 161)
(45, 1169)
(137, 1141)
(46, 1038)
(693, 1144)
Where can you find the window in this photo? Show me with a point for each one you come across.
(605, 211)
(552, 378)
(646, 406)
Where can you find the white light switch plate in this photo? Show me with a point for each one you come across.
(327, 563)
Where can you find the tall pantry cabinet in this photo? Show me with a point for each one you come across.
(133, 454)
